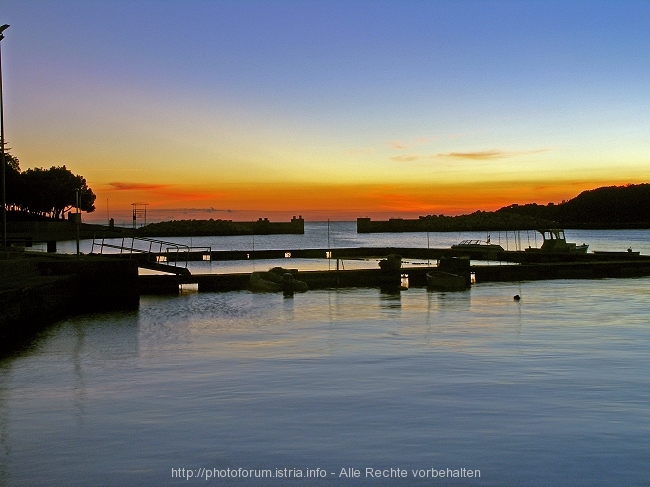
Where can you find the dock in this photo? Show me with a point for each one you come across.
(205, 254)
(515, 266)
(412, 276)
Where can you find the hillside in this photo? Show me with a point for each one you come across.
(605, 207)
(610, 207)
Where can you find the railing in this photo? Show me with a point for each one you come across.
(152, 250)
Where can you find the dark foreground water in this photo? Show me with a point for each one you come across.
(551, 390)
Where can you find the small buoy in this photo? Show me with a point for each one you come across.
(517, 297)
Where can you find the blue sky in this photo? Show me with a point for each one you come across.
(353, 108)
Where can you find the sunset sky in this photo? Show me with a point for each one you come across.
(328, 109)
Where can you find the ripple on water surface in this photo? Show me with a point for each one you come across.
(535, 392)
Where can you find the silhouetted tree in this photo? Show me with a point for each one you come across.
(13, 181)
(48, 192)
(604, 207)
(53, 191)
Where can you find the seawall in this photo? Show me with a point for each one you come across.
(36, 290)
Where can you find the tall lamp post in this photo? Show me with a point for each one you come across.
(2, 149)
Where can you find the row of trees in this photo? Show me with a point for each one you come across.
(46, 192)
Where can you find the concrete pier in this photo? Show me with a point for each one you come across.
(406, 252)
(159, 284)
(415, 276)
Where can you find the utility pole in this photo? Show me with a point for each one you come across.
(2, 147)
(77, 219)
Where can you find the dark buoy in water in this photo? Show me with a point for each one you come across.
(517, 297)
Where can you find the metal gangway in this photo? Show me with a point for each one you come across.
(150, 253)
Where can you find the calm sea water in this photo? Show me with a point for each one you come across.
(550, 390)
(321, 235)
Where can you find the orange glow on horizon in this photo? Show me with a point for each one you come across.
(335, 202)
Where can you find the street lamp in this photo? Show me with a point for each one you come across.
(2, 149)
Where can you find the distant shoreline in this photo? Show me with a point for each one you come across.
(605, 208)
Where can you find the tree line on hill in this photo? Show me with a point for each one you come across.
(606, 207)
(45, 192)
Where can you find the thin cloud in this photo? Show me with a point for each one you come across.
(410, 158)
(479, 155)
(124, 186)
(488, 155)
(168, 192)
(195, 210)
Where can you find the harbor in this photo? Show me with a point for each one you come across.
(331, 244)
(475, 261)
(39, 288)
(337, 377)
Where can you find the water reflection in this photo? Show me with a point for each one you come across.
(390, 297)
(79, 384)
(454, 301)
(530, 392)
(5, 451)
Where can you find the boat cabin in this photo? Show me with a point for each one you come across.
(555, 241)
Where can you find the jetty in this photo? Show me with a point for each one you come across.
(515, 266)
(177, 254)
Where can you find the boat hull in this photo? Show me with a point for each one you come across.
(276, 280)
(446, 281)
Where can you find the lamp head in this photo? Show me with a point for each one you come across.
(2, 29)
